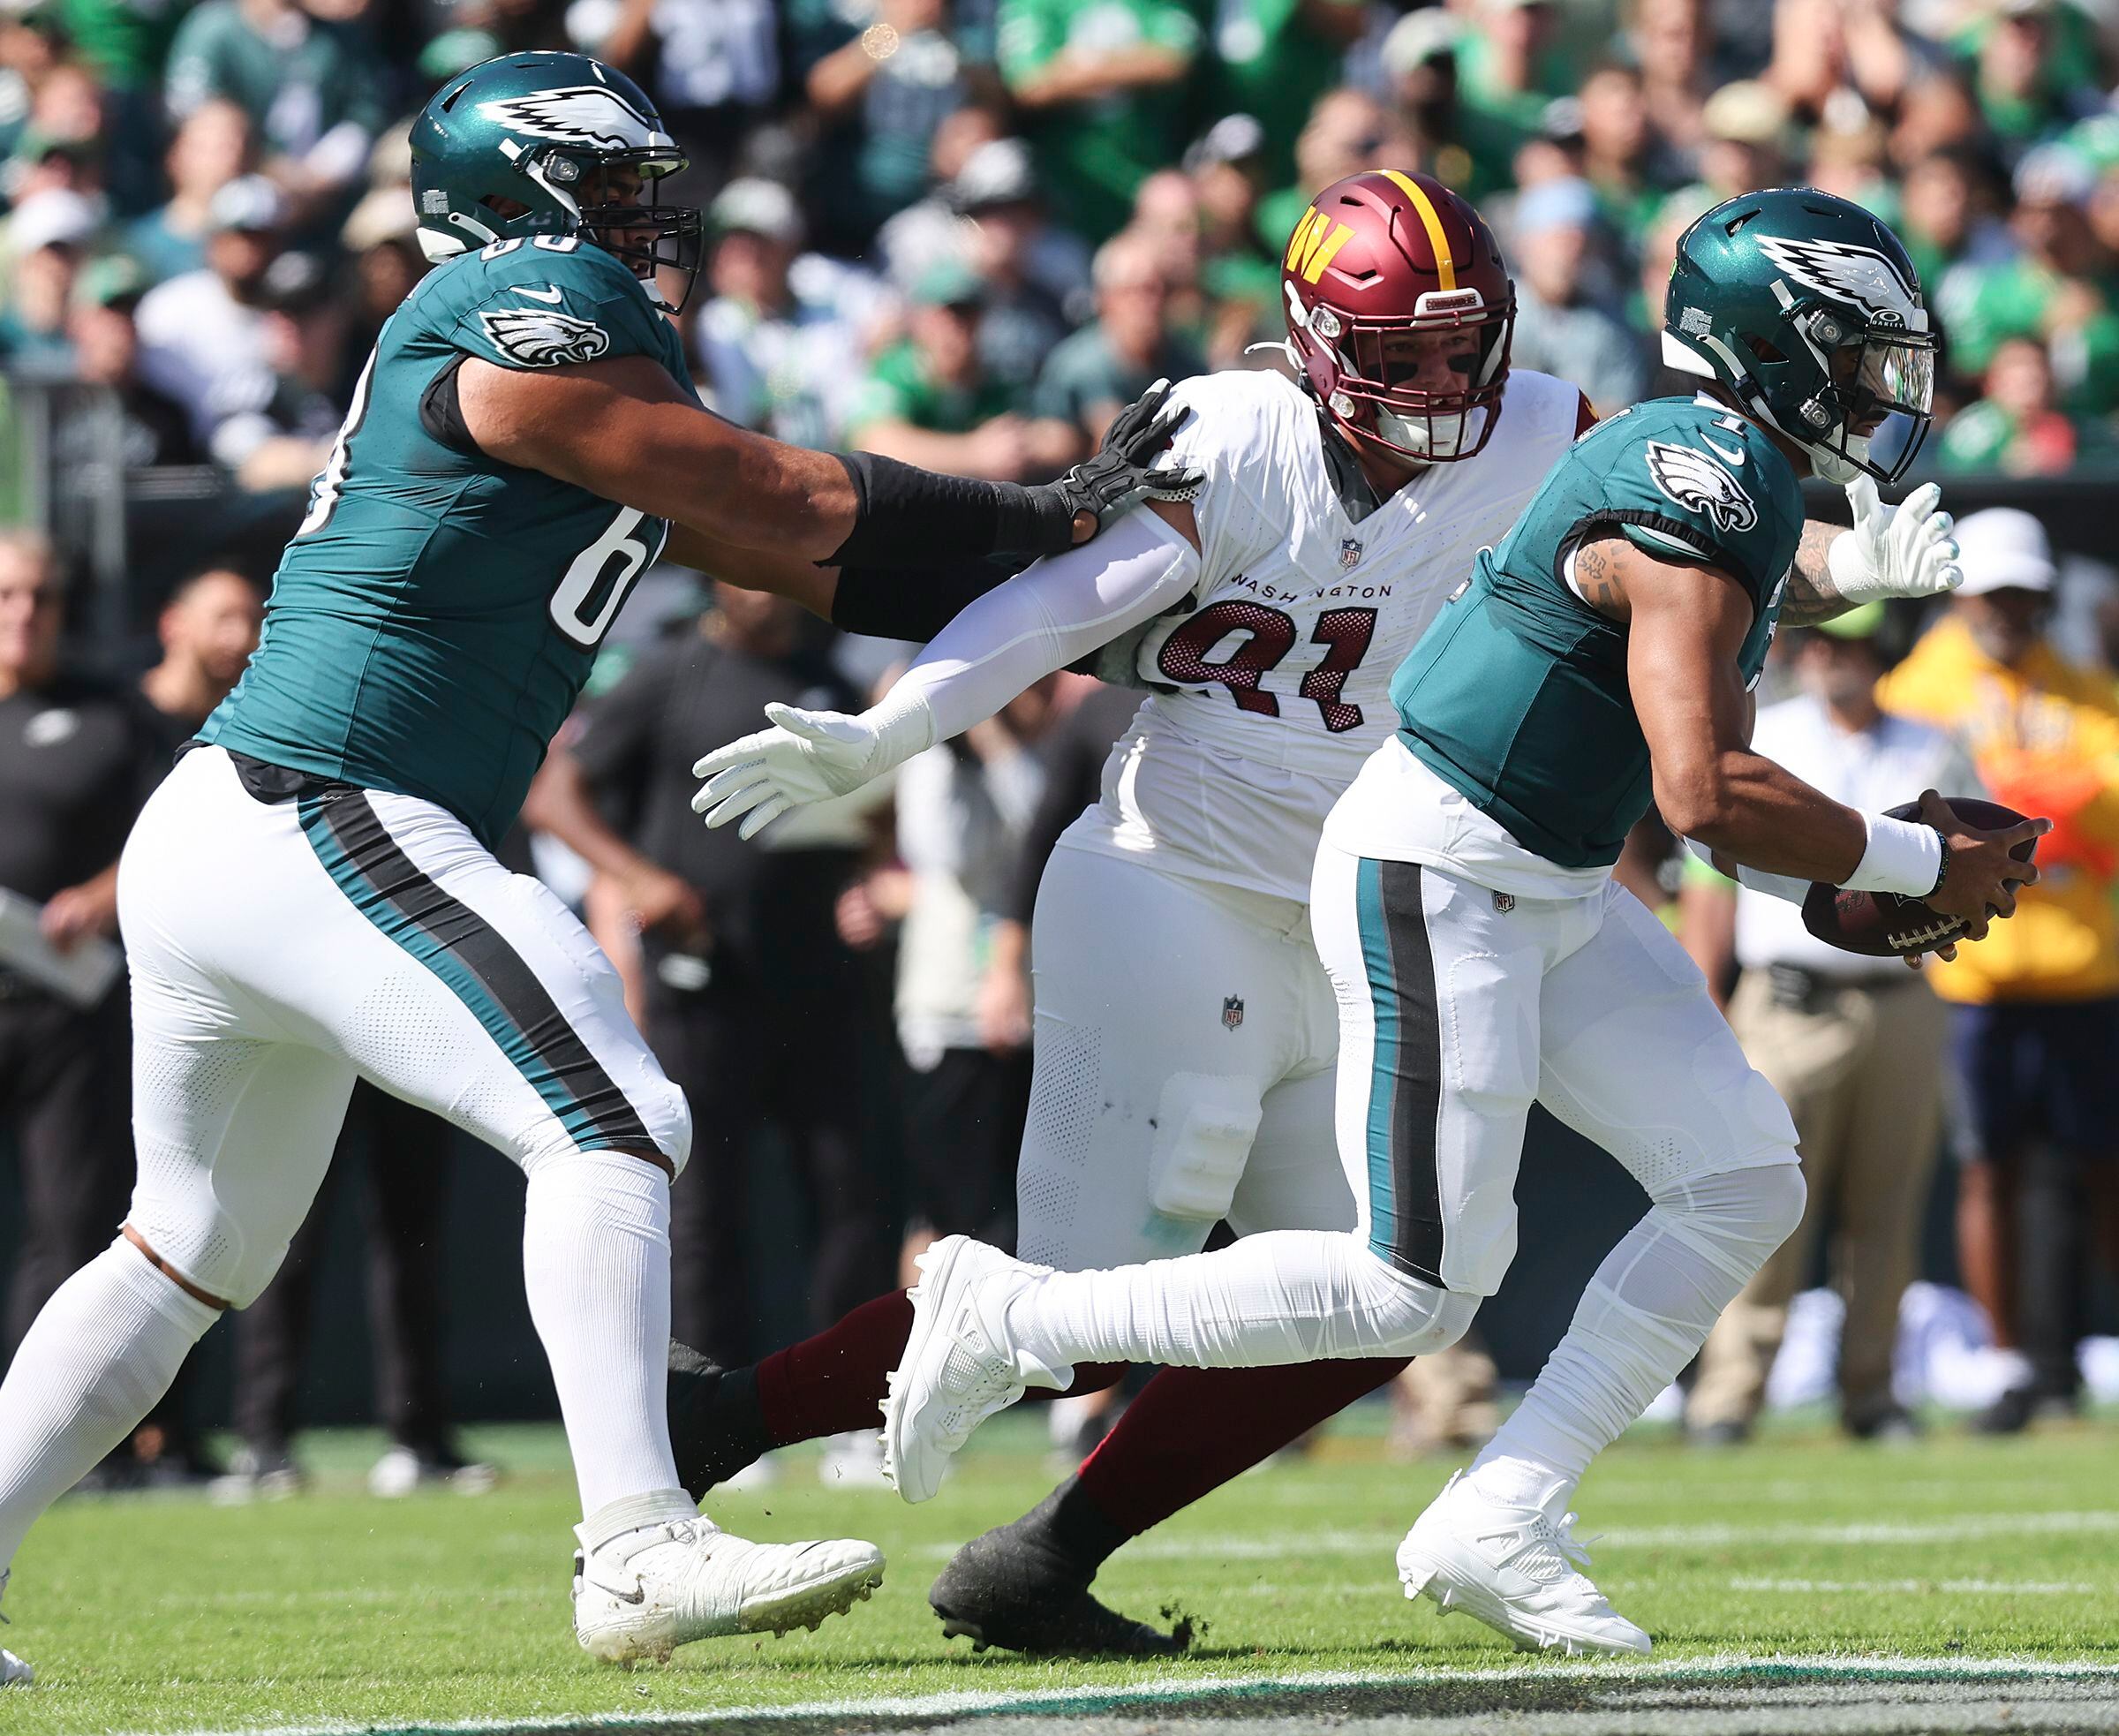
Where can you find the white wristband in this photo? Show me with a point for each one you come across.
(1904, 857)
(904, 725)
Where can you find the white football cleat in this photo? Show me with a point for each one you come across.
(1514, 1569)
(643, 1594)
(13, 1671)
(959, 1368)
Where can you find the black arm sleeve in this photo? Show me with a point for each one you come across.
(908, 517)
(910, 603)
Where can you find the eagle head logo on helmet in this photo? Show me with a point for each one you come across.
(1400, 311)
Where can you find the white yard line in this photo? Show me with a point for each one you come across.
(1952, 1588)
(1958, 1527)
(1751, 1673)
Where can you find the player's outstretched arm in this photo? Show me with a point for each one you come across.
(621, 428)
(1687, 624)
(1040, 620)
(1905, 551)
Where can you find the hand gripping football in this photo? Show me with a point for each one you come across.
(1887, 925)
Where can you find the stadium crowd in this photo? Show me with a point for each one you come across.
(963, 235)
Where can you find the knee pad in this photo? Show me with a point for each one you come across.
(1420, 1318)
(1738, 1218)
(1204, 1126)
(208, 1246)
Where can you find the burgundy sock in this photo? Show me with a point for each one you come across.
(1191, 1429)
(835, 1381)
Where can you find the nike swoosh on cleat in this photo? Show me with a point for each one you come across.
(551, 293)
(637, 1595)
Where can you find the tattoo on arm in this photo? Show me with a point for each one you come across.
(1812, 596)
(1594, 575)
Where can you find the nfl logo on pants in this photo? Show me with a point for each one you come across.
(1231, 1012)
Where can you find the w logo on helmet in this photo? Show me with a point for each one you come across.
(585, 115)
(1701, 484)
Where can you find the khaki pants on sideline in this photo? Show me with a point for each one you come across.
(1861, 1070)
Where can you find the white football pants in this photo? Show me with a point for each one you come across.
(1184, 1040)
(279, 950)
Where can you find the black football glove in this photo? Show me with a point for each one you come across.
(1118, 477)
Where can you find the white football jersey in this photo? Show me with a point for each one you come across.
(1300, 618)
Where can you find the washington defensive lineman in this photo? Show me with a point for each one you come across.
(1185, 1030)
(311, 897)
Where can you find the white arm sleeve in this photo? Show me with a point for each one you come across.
(1042, 619)
(1778, 885)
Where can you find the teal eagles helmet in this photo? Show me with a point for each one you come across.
(1808, 311)
(524, 145)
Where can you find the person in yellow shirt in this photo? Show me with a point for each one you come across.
(2035, 1040)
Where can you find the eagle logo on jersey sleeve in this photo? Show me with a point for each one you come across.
(1859, 275)
(1700, 484)
(576, 115)
(543, 336)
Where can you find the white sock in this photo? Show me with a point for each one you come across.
(1643, 1318)
(96, 1360)
(596, 1264)
(1283, 1297)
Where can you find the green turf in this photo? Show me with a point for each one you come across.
(163, 1614)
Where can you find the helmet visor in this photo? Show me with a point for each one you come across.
(1885, 383)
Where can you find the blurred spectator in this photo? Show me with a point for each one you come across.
(2025, 87)
(964, 808)
(1100, 81)
(1273, 58)
(2018, 426)
(304, 330)
(1669, 42)
(891, 76)
(1031, 270)
(2038, 999)
(749, 989)
(1946, 217)
(2061, 289)
(929, 401)
(1622, 158)
(1563, 326)
(1347, 132)
(1746, 140)
(1937, 114)
(150, 428)
(1129, 345)
(712, 64)
(208, 629)
(773, 360)
(1240, 281)
(1417, 66)
(1165, 216)
(1854, 1045)
(211, 148)
(314, 92)
(933, 229)
(203, 336)
(1836, 62)
(77, 759)
(46, 235)
(1509, 66)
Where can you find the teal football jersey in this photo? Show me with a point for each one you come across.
(436, 614)
(1518, 695)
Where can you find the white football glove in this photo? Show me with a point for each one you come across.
(1906, 551)
(806, 757)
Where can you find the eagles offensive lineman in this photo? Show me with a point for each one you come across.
(1483, 958)
(1185, 1028)
(311, 897)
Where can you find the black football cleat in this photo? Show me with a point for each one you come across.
(1014, 1588)
(715, 1425)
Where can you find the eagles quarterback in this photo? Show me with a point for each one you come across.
(1335, 514)
(1599, 658)
(311, 896)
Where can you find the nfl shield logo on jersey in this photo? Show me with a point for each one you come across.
(1231, 1012)
(1350, 554)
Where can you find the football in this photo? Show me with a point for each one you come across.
(1887, 925)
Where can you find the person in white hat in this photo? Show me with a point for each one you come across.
(2037, 1006)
